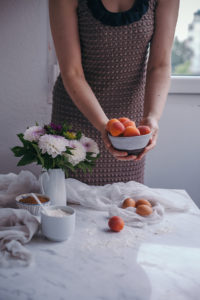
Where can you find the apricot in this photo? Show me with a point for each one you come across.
(131, 131)
(144, 129)
(116, 128)
(123, 119)
(129, 123)
(116, 223)
(109, 123)
(142, 202)
(128, 202)
(144, 210)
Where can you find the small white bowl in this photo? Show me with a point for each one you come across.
(131, 144)
(58, 229)
(34, 209)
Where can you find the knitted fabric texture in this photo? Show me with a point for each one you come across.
(114, 60)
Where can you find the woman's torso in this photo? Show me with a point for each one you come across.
(114, 56)
(114, 51)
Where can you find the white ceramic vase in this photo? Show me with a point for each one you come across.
(52, 184)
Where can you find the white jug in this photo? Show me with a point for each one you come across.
(52, 184)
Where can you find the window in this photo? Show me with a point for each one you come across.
(186, 49)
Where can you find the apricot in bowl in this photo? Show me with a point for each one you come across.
(126, 136)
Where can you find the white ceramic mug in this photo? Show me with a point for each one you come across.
(58, 229)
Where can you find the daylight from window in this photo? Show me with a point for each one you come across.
(186, 48)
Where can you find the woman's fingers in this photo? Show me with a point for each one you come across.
(116, 152)
(106, 140)
(150, 146)
(127, 158)
(119, 155)
(153, 124)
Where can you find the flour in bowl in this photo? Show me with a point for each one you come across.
(57, 213)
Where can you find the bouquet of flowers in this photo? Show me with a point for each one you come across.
(56, 146)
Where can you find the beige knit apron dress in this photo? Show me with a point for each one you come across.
(114, 48)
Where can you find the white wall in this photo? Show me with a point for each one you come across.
(174, 163)
(23, 72)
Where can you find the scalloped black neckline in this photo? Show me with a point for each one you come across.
(135, 13)
(110, 12)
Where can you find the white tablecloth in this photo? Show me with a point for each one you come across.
(157, 263)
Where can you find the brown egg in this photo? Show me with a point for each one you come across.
(143, 201)
(144, 210)
(128, 202)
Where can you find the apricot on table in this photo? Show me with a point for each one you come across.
(128, 202)
(116, 128)
(144, 129)
(129, 123)
(123, 119)
(131, 131)
(144, 210)
(116, 223)
(142, 202)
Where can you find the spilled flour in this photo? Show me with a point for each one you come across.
(126, 238)
(129, 237)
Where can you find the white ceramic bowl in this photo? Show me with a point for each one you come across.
(131, 144)
(58, 229)
(34, 209)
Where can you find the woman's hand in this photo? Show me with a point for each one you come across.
(153, 124)
(119, 155)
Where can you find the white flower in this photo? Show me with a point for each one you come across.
(78, 152)
(90, 145)
(53, 144)
(33, 133)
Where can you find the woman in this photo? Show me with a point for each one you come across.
(115, 61)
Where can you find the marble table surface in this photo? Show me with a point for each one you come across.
(161, 261)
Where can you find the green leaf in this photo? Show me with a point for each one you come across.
(48, 161)
(68, 151)
(90, 158)
(53, 163)
(28, 158)
(82, 166)
(21, 137)
(78, 135)
(26, 143)
(89, 167)
(66, 164)
(66, 173)
(18, 151)
(38, 153)
(66, 127)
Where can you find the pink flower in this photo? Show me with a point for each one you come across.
(90, 145)
(33, 133)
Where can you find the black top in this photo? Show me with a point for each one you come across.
(134, 14)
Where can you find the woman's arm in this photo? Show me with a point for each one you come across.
(159, 66)
(64, 28)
